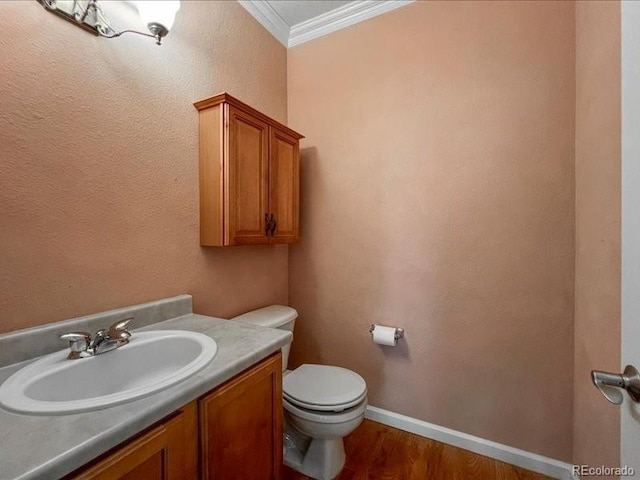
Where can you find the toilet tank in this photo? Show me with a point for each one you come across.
(273, 316)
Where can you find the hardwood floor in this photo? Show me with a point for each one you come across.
(377, 452)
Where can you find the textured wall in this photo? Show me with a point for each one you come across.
(98, 162)
(438, 195)
(596, 434)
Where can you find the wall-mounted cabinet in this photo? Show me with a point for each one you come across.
(249, 175)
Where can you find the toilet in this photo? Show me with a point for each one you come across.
(322, 404)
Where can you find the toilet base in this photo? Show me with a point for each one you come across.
(317, 458)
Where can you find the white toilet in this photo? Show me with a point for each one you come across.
(322, 404)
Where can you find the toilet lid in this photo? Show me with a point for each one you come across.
(322, 387)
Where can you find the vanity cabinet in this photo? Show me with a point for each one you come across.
(233, 432)
(241, 426)
(168, 451)
(249, 175)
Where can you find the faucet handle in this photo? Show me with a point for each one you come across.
(78, 342)
(119, 329)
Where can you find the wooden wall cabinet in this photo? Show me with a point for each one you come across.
(233, 432)
(249, 175)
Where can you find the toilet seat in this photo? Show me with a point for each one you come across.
(327, 417)
(324, 408)
(323, 388)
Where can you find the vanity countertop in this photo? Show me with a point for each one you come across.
(49, 447)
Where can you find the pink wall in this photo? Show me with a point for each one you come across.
(98, 170)
(596, 434)
(438, 195)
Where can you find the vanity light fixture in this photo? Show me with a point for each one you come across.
(88, 14)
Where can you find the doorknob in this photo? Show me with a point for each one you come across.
(608, 383)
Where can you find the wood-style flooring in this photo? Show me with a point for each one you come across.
(377, 452)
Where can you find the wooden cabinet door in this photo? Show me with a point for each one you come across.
(241, 426)
(166, 452)
(284, 189)
(246, 170)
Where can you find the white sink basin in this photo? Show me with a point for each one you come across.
(150, 362)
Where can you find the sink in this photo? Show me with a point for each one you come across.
(150, 362)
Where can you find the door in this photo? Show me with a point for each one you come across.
(166, 452)
(630, 414)
(246, 165)
(284, 187)
(241, 426)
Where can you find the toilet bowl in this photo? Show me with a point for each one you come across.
(322, 404)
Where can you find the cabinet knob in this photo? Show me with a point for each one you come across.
(274, 224)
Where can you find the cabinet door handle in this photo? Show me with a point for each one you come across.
(267, 224)
(274, 224)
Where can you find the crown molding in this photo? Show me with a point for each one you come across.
(264, 13)
(342, 17)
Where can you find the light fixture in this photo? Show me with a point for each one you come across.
(158, 15)
(88, 14)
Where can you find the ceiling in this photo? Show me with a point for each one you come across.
(294, 12)
(293, 22)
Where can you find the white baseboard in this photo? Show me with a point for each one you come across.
(504, 453)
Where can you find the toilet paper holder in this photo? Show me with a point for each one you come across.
(399, 331)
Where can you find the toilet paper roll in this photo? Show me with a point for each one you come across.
(384, 336)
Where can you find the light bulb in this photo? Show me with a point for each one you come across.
(158, 15)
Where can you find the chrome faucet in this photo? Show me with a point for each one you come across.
(82, 345)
